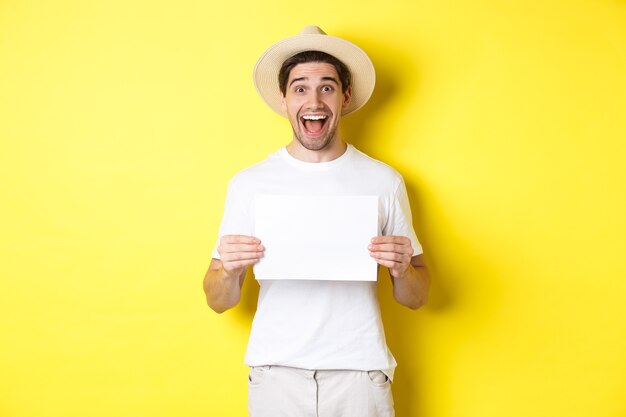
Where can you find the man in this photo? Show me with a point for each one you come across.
(317, 348)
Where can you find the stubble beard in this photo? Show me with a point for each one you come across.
(316, 144)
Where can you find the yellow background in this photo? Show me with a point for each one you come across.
(121, 123)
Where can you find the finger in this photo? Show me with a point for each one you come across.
(388, 264)
(391, 247)
(239, 239)
(391, 263)
(391, 256)
(402, 240)
(229, 266)
(241, 256)
(239, 247)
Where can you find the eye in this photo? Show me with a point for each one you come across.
(299, 89)
(327, 88)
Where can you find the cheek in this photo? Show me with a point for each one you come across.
(293, 105)
(340, 104)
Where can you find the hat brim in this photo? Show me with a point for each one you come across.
(362, 72)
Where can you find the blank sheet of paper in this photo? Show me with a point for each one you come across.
(316, 237)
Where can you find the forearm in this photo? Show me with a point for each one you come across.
(222, 290)
(411, 288)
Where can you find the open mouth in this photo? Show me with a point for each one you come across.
(313, 123)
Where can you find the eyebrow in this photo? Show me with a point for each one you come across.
(333, 79)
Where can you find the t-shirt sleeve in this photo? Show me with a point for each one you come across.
(237, 219)
(400, 221)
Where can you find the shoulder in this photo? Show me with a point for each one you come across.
(251, 175)
(375, 169)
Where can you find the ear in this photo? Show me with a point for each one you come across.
(283, 103)
(347, 96)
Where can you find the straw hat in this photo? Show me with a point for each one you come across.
(312, 38)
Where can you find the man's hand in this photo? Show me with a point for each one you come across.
(394, 252)
(237, 252)
(408, 273)
(223, 280)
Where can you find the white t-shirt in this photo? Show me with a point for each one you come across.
(319, 324)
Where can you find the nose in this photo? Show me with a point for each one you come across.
(315, 100)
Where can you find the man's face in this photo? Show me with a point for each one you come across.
(314, 101)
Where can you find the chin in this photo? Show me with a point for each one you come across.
(315, 145)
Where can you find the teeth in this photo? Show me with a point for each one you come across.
(313, 117)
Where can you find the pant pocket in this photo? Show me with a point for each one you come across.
(257, 374)
(258, 391)
(378, 377)
(380, 392)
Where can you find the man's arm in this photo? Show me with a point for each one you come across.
(408, 273)
(224, 279)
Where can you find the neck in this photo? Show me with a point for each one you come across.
(331, 152)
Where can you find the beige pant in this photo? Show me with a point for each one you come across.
(279, 391)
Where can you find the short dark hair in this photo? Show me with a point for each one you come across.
(313, 56)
